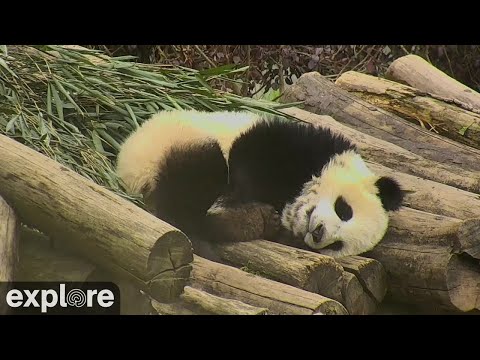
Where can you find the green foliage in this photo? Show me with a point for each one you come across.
(77, 105)
(272, 66)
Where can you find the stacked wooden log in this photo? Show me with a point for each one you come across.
(357, 283)
(8, 250)
(421, 127)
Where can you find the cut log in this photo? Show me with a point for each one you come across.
(303, 269)
(133, 301)
(469, 238)
(426, 260)
(430, 276)
(433, 197)
(280, 299)
(409, 226)
(40, 262)
(369, 272)
(356, 300)
(321, 96)
(9, 227)
(416, 106)
(392, 307)
(418, 73)
(175, 308)
(106, 229)
(394, 156)
(198, 302)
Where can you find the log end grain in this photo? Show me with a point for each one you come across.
(468, 237)
(463, 280)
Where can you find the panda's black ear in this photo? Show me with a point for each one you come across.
(390, 193)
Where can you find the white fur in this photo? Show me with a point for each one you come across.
(348, 176)
(142, 153)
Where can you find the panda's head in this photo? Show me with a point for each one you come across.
(343, 211)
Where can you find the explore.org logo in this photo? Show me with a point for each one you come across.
(66, 298)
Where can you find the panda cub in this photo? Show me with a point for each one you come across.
(189, 164)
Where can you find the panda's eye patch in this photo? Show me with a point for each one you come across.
(343, 210)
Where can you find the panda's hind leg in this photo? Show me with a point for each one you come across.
(193, 176)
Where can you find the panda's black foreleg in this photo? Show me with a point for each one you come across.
(233, 221)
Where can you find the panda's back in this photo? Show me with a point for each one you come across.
(274, 159)
(223, 126)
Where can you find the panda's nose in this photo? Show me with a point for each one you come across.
(317, 234)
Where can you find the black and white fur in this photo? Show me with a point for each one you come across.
(191, 163)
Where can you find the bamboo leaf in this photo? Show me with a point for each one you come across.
(58, 103)
(67, 95)
(10, 128)
(132, 115)
(97, 141)
(4, 65)
(49, 100)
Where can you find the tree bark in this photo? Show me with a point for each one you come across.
(394, 156)
(280, 299)
(416, 106)
(106, 229)
(133, 301)
(409, 226)
(198, 302)
(430, 276)
(296, 267)
(356, 299)
(9, 227)
(416, 227)
(40, 262)
(321, 96)
(427, 259)
(370, 273)
(418, 73)
(433, 197)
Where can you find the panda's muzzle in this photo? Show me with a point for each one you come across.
(317, 234)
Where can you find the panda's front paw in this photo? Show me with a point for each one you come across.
(272, 222)
(242, 222)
